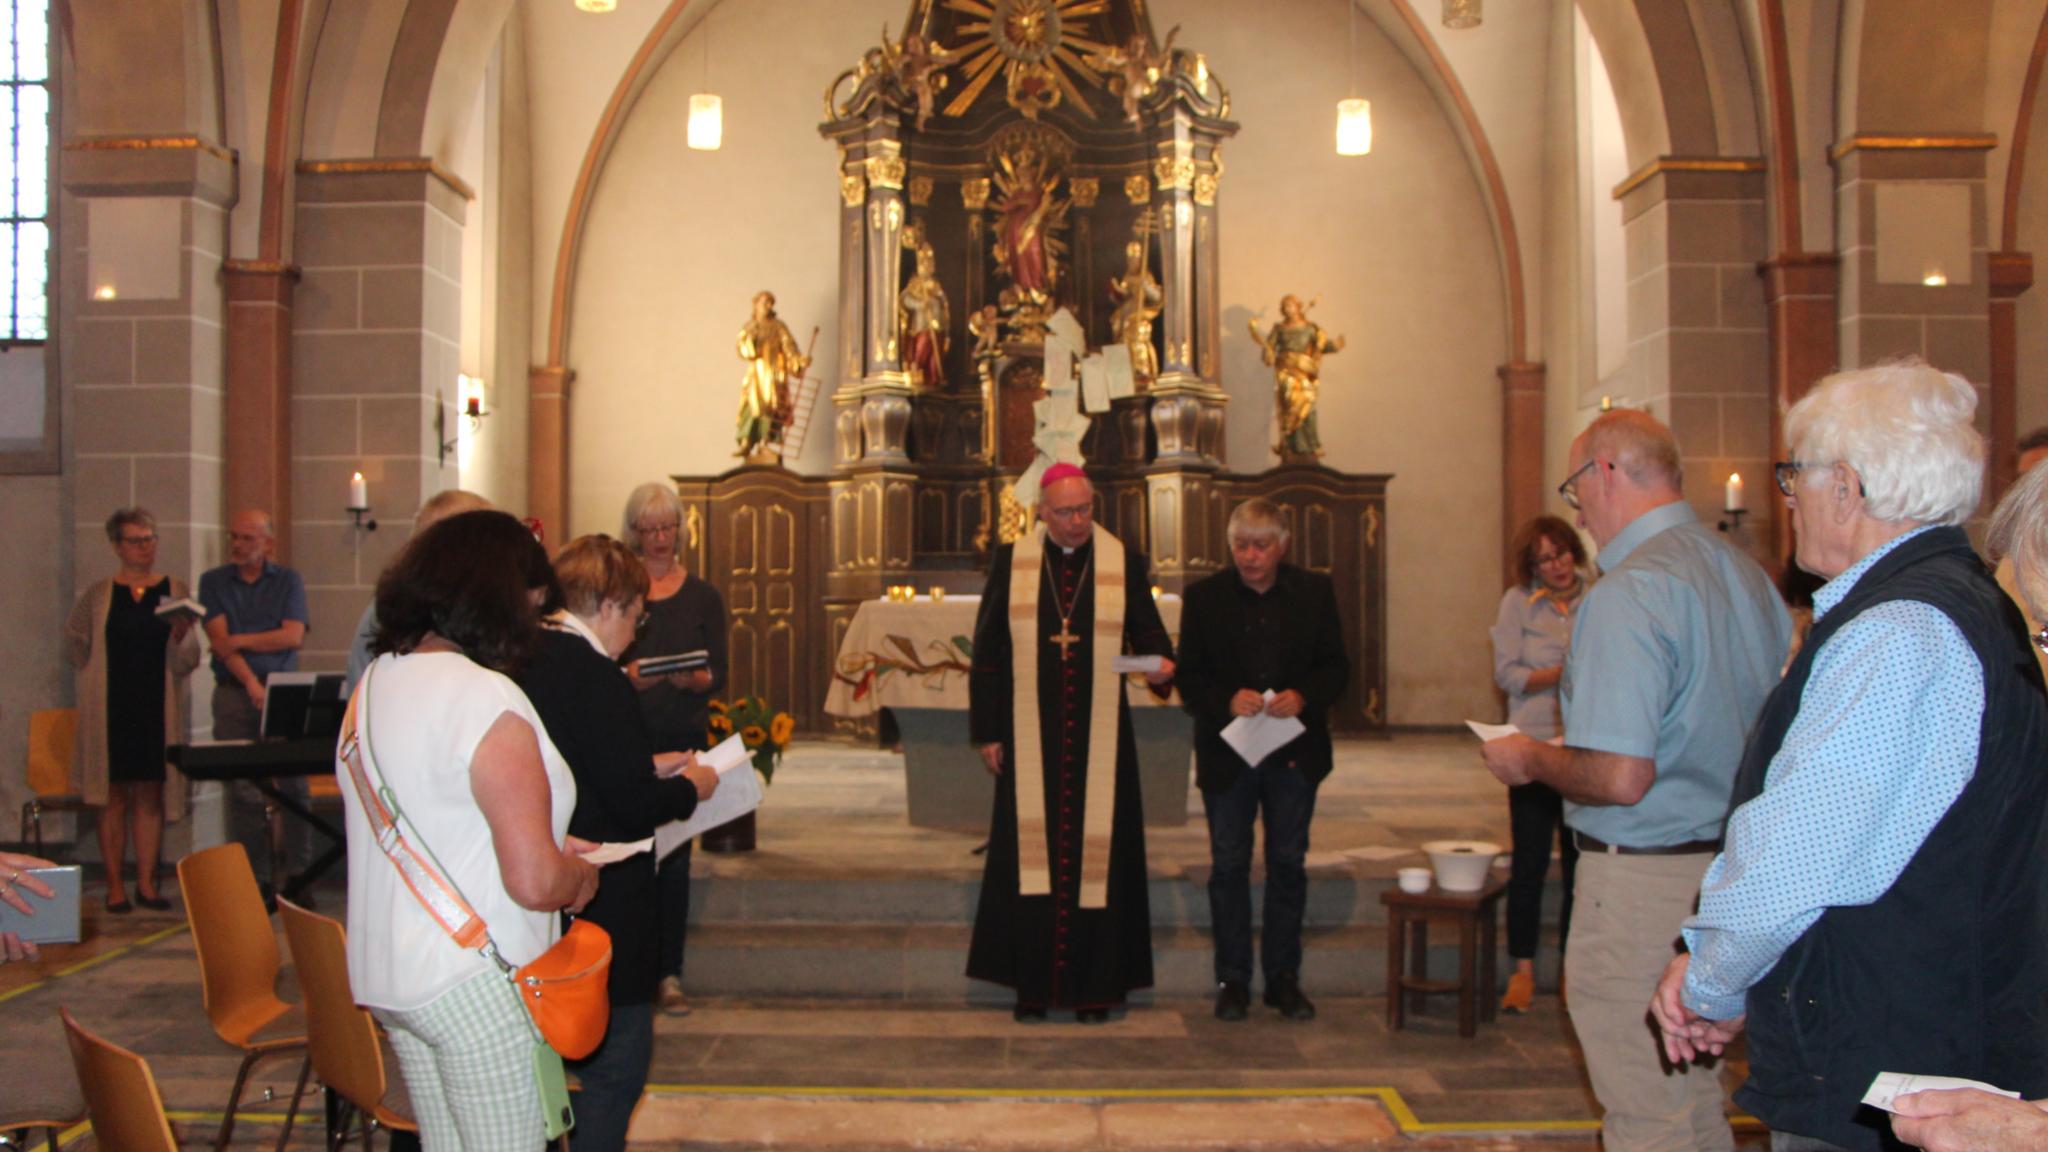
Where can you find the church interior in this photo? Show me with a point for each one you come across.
(327, 258)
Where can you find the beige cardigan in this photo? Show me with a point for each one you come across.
(82, 635)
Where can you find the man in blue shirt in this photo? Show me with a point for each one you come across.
(1880, 901)
(255, 621)
(1674, 650)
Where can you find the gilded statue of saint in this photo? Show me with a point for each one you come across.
(926, 321)
(1138, 298)
(772, 360)
(1294, 348)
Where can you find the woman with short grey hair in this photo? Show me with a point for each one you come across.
(684, 614)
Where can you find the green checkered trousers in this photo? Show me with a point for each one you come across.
(467, 1059)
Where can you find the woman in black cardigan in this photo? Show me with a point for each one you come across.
(623, 790)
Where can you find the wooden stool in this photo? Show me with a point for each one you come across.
(1408, 917)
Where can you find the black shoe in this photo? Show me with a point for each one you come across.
(120, 907)
(1091, 1015)
(1025, 1014)
(1284, 993)
(153, 903)
(1233, 1000)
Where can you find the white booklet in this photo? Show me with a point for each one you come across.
(1257, 737)
(1491, 732)
(738, 794)
(1889, 1086)
(1122, 665)
(611, 852)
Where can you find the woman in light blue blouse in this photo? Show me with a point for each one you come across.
(1530, 638)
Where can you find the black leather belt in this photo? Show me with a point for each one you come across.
(1689, 848)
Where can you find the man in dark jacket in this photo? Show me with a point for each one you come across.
(1260, 640)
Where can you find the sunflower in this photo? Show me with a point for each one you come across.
(718, 706)
(719, 724)
(780, 728)
(752, 735)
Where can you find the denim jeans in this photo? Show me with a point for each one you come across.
(1289, 800)
(611, 1080)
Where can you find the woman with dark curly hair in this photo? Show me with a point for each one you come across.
(1531, 635)
(484, 791)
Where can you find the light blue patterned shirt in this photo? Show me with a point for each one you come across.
(1884, 741)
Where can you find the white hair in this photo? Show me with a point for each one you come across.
(653, 496)
(2019, 531)
(1257, 519)
(1909, 431)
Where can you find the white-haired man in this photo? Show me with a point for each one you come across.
(1673, 653)
(1880, 902)
(1261, 637)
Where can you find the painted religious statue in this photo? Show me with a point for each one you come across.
(925, 320)
(1139, 299)
(773, 361)
(1026, 248)
(1294, 349)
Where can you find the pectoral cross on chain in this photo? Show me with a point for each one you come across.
(1065, 639)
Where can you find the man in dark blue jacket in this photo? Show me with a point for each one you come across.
(1262, 638)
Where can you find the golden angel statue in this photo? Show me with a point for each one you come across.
(1134, 69)
(925, 320)
(1138, 298)
(1294, 348)
(772, 360)
(918, 67)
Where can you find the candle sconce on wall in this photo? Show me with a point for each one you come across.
(359, 504)
(470, 389)
(1734, 505)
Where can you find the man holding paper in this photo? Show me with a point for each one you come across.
(1261, 662)
(1063, 916)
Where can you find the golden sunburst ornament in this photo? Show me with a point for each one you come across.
(1039, 47)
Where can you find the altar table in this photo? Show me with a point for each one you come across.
(913, 658)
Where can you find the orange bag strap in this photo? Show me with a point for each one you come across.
(420, 871)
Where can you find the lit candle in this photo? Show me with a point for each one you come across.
(1732, 498)
(358, 492)
(476, 406)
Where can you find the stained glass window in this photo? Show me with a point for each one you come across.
(25, 170)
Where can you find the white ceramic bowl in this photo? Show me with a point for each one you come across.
(1461, 865)
(1413, 880)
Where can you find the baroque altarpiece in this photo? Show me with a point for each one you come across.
(1002, 162)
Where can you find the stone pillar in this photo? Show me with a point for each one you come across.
(1699, 350)
(547, 448)
(1523, 484)
(1799, 298)
(144, 237)
(2012, 273)
(1913, 236)
(376, 344)
(259, 391)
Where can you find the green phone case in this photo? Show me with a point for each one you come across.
(553, 1083)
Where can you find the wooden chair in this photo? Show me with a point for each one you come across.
(238, 966)
(340, 1035)
(42, 1096)
(120, 1095)
(52, 734)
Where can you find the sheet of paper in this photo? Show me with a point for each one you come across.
(1889, 1086)
(1059, 365)
(1116, 361)
(1375, 853)
(1257, 737)
(738, 794)
(1490, 732)
(728, 755)
(611, 852)
(1094, 385)
(1125, 664)
(1063, 325)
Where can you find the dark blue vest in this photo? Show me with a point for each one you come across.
(1947, 972)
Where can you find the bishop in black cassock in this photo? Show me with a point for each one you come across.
(1066, 926)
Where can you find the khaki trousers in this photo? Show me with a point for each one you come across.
(1625, 918)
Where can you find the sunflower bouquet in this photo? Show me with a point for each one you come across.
(762, 729)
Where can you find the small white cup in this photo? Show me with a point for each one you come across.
(1414, 880)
